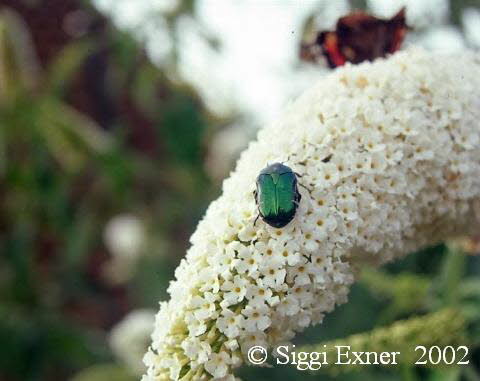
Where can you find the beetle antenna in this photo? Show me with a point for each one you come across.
(289, 157)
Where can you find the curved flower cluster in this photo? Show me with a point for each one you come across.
(390, 154)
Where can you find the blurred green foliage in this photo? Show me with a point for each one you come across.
(64, 172)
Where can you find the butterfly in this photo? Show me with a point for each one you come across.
(358, 37)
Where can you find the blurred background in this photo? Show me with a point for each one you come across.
(118, 121)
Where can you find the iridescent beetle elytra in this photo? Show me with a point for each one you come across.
(277, 195)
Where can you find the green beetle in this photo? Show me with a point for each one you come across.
(277, 195)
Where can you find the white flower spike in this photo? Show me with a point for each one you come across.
(402, 138)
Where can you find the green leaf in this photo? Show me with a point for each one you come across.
(19, 68)
(71, 137)
(453, 270)
(470, 287)
(407, 292)
(65, 65)
(104, 372)
(78, 240)
(471, 374)
(450, 374)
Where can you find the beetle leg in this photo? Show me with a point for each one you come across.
(327, 159)
(298, 175)
(309, 190)
(286, 161)
(258, 215)
(298, 197)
